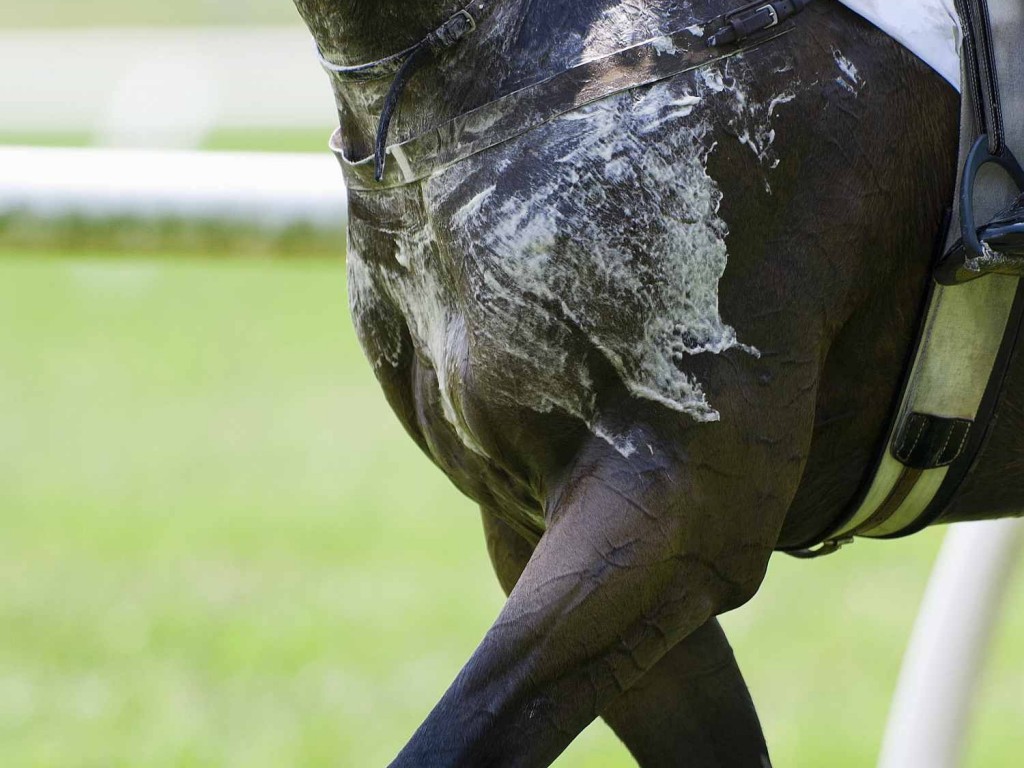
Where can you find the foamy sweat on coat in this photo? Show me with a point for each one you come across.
(616, 248)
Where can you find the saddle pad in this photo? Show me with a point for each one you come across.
(930, 29)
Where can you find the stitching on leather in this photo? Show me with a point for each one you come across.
(970, 52)
(966, 427)
(945, 444)
(907, 451)
(963, 441)
(991, 80)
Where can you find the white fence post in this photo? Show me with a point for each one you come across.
(931, 709)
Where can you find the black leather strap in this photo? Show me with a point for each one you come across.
(982, 76)
(448, 34)
(528, 107)
(929, 442)
(751, 20)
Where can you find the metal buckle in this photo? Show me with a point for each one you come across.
(456, 27)
(469, 19)
(750, 20)
(771, 9)
(829, 547)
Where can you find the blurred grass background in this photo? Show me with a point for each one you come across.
(218, 548)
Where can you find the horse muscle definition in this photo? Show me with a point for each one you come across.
(656, 339)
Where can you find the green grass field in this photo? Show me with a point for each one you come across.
(217, 547)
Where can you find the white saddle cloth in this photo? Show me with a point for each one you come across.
(930, 29)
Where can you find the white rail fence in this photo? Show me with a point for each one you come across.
(267, 190)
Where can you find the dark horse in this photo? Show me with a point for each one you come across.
(656, 338)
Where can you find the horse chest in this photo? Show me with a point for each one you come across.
(556, 274)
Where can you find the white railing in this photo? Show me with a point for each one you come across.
(263, 188)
